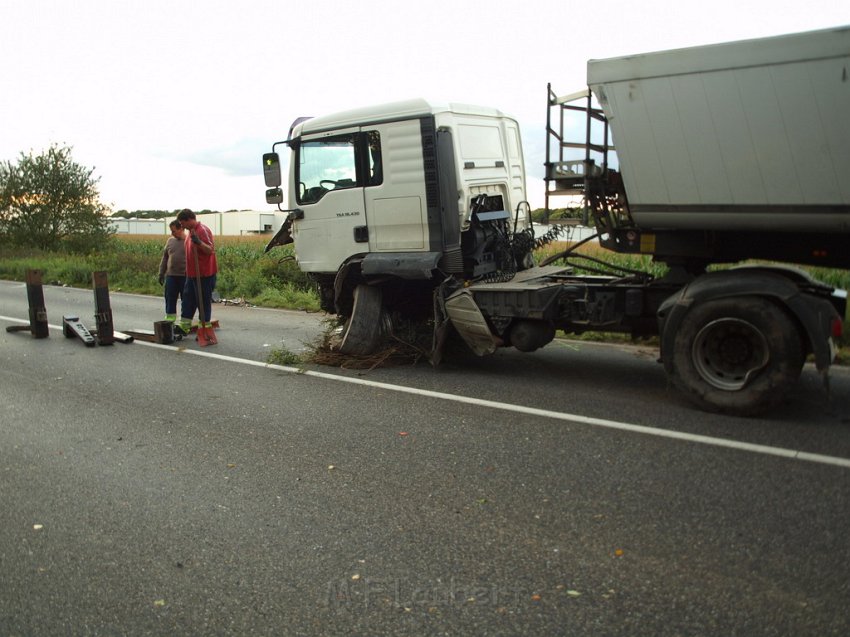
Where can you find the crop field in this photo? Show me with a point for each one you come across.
(132, 265)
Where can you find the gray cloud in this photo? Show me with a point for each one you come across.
(242, 158)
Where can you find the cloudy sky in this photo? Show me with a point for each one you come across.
(173, 103)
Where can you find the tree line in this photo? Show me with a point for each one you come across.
(50, 202)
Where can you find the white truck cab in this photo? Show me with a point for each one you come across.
(398, 181)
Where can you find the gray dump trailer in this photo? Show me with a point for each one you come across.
(721, 137)
(726, 152)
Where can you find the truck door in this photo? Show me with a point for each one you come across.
(395, 193)
(327, 180)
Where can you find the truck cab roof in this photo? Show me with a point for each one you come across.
(392, 111)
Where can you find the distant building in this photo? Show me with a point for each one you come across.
(139, 226)
(251, 222)
(236, 223)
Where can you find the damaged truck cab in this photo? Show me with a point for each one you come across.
(391, 190)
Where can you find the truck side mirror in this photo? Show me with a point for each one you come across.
(274, 195)
(271, 170)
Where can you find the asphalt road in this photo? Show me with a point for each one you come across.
(165, 490)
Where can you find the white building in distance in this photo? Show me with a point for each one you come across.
(235, 223)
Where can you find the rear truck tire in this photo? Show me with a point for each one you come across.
(737, 355)
(363, 331)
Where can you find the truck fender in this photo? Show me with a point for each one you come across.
(814, 314)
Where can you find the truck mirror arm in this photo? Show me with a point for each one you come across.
(284, 235)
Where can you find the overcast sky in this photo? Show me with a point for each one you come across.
(173, 103)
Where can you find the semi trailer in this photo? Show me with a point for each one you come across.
(711, 155)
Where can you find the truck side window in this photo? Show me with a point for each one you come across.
(376, 167)
(324, 165)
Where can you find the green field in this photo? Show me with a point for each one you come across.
(132, 264)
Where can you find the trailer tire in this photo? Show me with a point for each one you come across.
(363, 330)
(737, 355)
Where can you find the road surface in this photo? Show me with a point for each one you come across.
(162, 490)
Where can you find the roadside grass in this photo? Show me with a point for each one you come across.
(132, 265)
(285, 357)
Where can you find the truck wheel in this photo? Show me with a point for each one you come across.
(737, 356)
(362, 332)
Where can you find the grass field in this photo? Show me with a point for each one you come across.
(132, 263)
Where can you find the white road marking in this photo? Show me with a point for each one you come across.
(543, 413)
(792, 454)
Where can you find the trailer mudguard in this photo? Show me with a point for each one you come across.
(815, 314)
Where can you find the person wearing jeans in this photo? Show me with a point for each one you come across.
(198, 242)
(172, 270)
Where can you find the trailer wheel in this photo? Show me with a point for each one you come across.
(362, 332)
(737, 355)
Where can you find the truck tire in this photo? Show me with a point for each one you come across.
(737, 355)
(363, 331)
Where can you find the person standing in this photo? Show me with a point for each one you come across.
(172, 270)
(200, 248)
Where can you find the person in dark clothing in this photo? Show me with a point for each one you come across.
(172, 270)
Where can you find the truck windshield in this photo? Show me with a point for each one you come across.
(324, 165)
